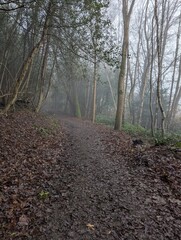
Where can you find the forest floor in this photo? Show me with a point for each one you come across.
(64, 178)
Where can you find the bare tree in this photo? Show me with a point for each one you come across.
(134, 74)
(170, 105)
(159, 38)
(94, 41)
(177, 94)
(120, 102)
(28, 61)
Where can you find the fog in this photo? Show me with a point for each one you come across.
(69, 58)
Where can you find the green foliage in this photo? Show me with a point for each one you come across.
(105, 120)
(135, 130)
(43, 195)
(168, 139)
(178, 144)
(138, 131)
(129, 128)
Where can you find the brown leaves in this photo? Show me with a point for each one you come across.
(116, 143)
(28, 165)
(127, 190)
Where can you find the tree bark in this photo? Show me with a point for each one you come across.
(176, 97)
(121, 84)
(151, 83)
(42, 78)
(169, 112)
(94, 90)
(158, 40)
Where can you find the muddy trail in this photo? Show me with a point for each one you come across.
(96, 201)
(64, 178)
(103, 195)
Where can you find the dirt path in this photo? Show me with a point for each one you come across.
(101, 197)
(63, 179)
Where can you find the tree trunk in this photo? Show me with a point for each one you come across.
(28, 62)
(151, 84)
(110, 87)
(121, 87)
(94, 90)
(169, 113)
(176, 94)
(88, 99)
(158, 37)
(42, 78)
(143, 89)
(19, 81)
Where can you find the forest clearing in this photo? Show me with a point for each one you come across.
(65, 178)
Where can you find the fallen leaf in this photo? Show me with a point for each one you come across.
(90, 227)
(23, 221)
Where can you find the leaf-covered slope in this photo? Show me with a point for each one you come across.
(30, 148)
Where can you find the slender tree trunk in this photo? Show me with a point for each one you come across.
(136, 69)
(4, 67)
(110, 87)
(133, 80)
(21, 77)
(143, 89)
(94, 90)
(151, 83)
(131, 93)
(25, 86)
(159, 70)
(77, 106)
(122, 74)
(87, 99)
(42, 78)
(50, 81)
(176, 94)
(169, 113)
(120, 101)
(177, 99)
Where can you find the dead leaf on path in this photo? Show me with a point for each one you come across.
(23, 221)
(90, 227)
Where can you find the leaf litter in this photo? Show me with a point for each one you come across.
(83, 181)
(29, 161)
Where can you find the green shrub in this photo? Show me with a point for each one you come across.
(168, 139)
(105, 120)
(135, 130)
(140, 132)
(178, 144)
